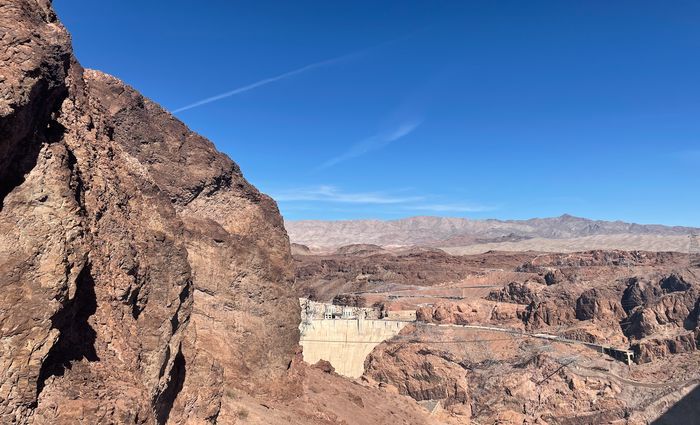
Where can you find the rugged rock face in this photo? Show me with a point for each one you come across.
(668, 302)
(515, 292)
(662, 317)
(141, 273)
(598, 304)
(237, 250)
(496, 380)
(548, 313)
(655, 348)
(637, 293)
(423, 374)
(600, 258)
(447, 313)
(322, 277)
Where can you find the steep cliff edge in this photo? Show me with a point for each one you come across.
(141, 273)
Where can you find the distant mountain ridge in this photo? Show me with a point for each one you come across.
(444, 231)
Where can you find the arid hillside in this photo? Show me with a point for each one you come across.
(520, 337)
(463, 236)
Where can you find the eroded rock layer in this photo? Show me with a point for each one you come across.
(141, 273)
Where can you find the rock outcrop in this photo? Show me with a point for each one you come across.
(494, 381)
(548, 313)
(321, 277)
(448, 313)
(651, 349)
(515, 292)
(554, 277)
(141, 273)
(599, 258)
(423, 374)
(599, 305)
(662, 316)
(670, 302)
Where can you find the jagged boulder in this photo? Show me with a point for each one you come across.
(674, 283)
(637, 293)
(422, 373)
(655, 348)
(597, 304)
(554, 277)
(547, 313)
(516, 293)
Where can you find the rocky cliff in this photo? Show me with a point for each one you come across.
(141, 273)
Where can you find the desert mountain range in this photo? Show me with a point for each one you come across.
(460, 235)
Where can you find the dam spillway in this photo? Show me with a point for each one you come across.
(345, 343)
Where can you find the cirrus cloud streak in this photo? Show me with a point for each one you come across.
(373, 143)
(327, 193)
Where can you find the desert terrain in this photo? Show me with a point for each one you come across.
(146, 281)
(521, 337)
(565, 233)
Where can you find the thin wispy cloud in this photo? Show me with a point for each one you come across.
(396, 201)
(285, 75)
(333, 194)
(265, 82)
(373, 143)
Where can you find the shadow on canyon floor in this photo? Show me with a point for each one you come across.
(686, 411)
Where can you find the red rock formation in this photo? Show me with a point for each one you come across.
(515, 292)
(599, 305)
(462, 313)
(651, 349)
(137, 262)
(421, 373)
(144, 280)
(548, 313)
(601, 258)
(324, 276)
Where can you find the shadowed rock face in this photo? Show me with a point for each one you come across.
(139, 269)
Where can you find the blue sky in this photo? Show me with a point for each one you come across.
(386, 109)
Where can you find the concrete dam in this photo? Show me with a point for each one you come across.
(345, 343)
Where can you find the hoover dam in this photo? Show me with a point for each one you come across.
(345, 343)
(343, 335)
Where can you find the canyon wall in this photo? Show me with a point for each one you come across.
(141, 274)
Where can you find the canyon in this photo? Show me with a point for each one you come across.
(520, 337)
(146, 281)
